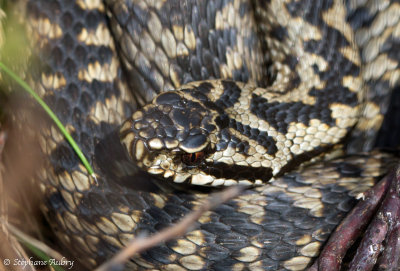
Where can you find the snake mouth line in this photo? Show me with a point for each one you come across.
(204, 173)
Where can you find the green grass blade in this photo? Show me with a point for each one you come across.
(41, 255)
(56, 120)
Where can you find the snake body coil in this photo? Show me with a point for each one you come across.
(259, 88)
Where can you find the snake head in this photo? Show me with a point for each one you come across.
(193, 135)
(172, 136)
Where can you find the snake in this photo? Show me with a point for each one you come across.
(170, 100)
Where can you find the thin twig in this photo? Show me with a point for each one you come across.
(174, 231)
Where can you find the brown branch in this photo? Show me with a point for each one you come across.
(351, 227)
(174, 231)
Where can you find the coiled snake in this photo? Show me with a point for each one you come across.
(315, 74)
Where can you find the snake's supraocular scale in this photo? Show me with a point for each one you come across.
(258, 89)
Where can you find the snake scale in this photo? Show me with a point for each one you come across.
(258, 88)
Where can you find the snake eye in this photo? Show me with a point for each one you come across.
(191, 159)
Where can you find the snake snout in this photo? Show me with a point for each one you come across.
(133, 143)
(170, 136)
